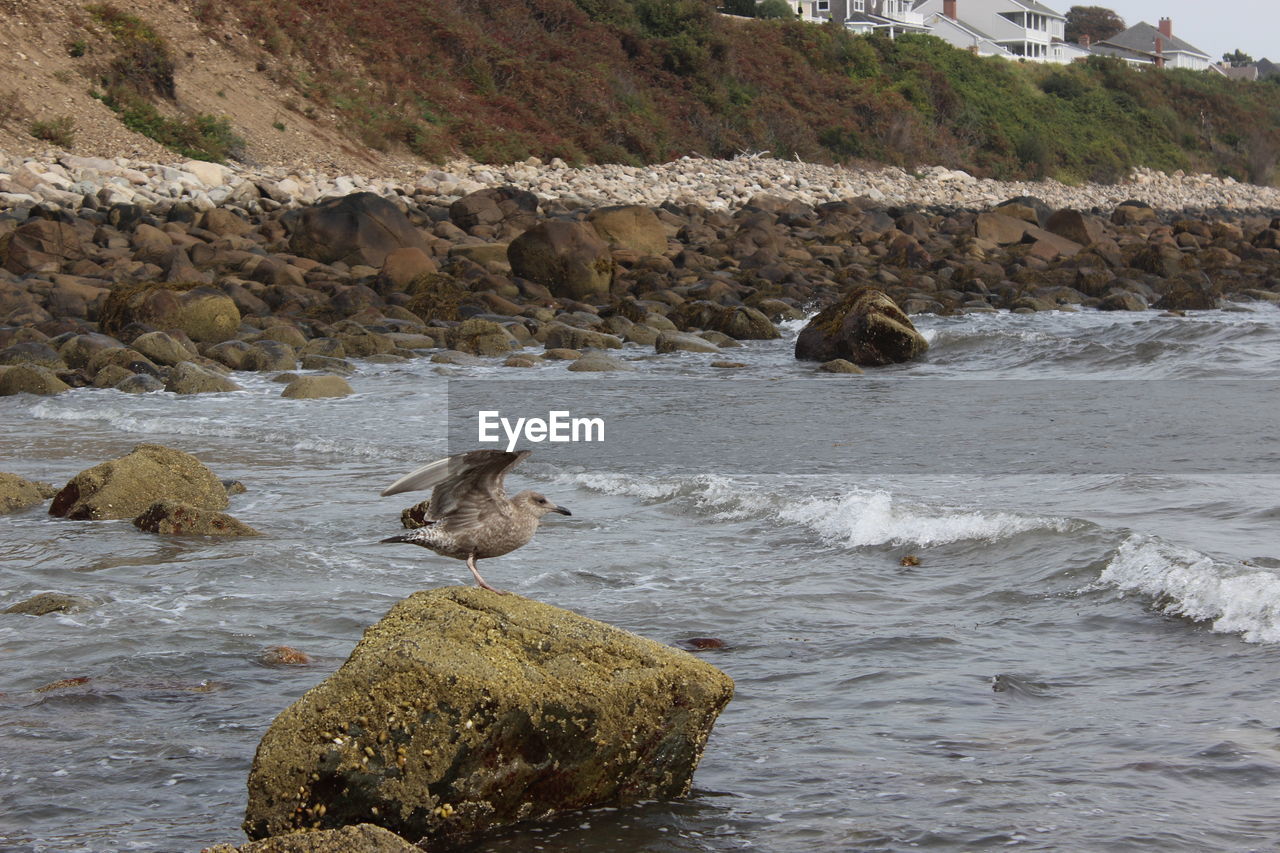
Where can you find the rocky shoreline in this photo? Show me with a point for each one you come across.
(141, 276)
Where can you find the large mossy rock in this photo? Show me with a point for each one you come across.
(569, 258)
(200, 311)
(125, 487)
(41, 245)
(464, 710)
(361, 228)
(30, 379)
(866, 328)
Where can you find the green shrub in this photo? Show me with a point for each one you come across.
(61, 131)
(198, 137)
(142, 60)
(778, 9)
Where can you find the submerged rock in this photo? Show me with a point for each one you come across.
(125, 487)
(312, 387)
(866, 328)
(463, 710)
(50, 602)
(17, 493)
(178, 519)
(361, 838)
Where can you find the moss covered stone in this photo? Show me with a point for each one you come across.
(172, 518)
(125, 487)
(464, 710)
(17, 493)
(866, 328)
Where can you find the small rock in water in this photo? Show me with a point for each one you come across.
(283, 656)
(63, 684)
(703, 644)
(50, 602)
(909, 560)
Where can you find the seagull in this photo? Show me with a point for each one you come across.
(470, 516)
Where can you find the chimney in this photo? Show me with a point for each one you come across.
(1166, 27)
(1160, 50)
(949, 8)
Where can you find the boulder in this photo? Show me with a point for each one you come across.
(313, 387)
(361, 228)
(269, 355)
(569, 258)
(360, 838)
(463, 711)
(596, 362)
(1133, 213)
(682, 341)
(33, 352)
(191, 378)
(173, 518)
(1000, 228)
(839, 365)
(481, 337)
(739, 322)
(50, 602)
(495, 206)
(630, 226)
(17, 493)
(30, 379)
(163, 348)
(201, 312)
(1075, 226)
(866, 328)
(42, 245)
(402, 266)
(125, 487)
(77, 350)
(561, 336)
(140, 383)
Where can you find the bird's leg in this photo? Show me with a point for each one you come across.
(471, 564)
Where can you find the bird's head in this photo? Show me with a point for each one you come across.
(538, 503)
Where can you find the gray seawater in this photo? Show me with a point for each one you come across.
(1080, 661)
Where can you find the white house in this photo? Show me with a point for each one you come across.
(1025, 29)
(963, 36)
(1143, 44)
(890, 17)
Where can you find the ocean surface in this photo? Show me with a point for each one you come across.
(1086, 655)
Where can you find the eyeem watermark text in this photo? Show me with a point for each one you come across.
(559, 426)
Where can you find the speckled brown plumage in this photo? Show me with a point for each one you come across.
(470, 516)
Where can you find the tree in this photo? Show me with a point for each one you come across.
(775, 9)
(1237, 58)
(1096, 22)
(745, 8)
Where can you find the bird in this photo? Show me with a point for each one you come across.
(470, 516)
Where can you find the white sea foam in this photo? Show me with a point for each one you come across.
(856, 518)
(1235, 598)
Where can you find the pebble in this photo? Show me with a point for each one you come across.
(716, 184)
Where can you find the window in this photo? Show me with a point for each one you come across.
(859, 5)
(824, 5)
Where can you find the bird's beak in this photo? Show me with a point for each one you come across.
(562, 511)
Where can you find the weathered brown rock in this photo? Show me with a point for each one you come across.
(42, 245)
(314, 387)
(462, 711)
(1075, 226)
(1133, 213)
(560, 336)
(494, 206)
(403, 266)
(191, 378)
(595, 362)
(125, 487)
(361, 228)
(630, 226)
(30, 379)
(203, 313)
(50, 602)
(18, 493)
(481, 337)
(173, 518)
(163, 348)
(568, 257)
(739, 322)
(839, 365)
(866, 328)
(682, 341)
(360, 838)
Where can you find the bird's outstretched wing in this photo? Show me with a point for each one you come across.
(472, 479)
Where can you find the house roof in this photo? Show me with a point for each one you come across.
(1267, 68)
(1103, 49)
(1244, 72)
(939, 19)
(1040, 8)
(872, 20)
(1141, 38)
